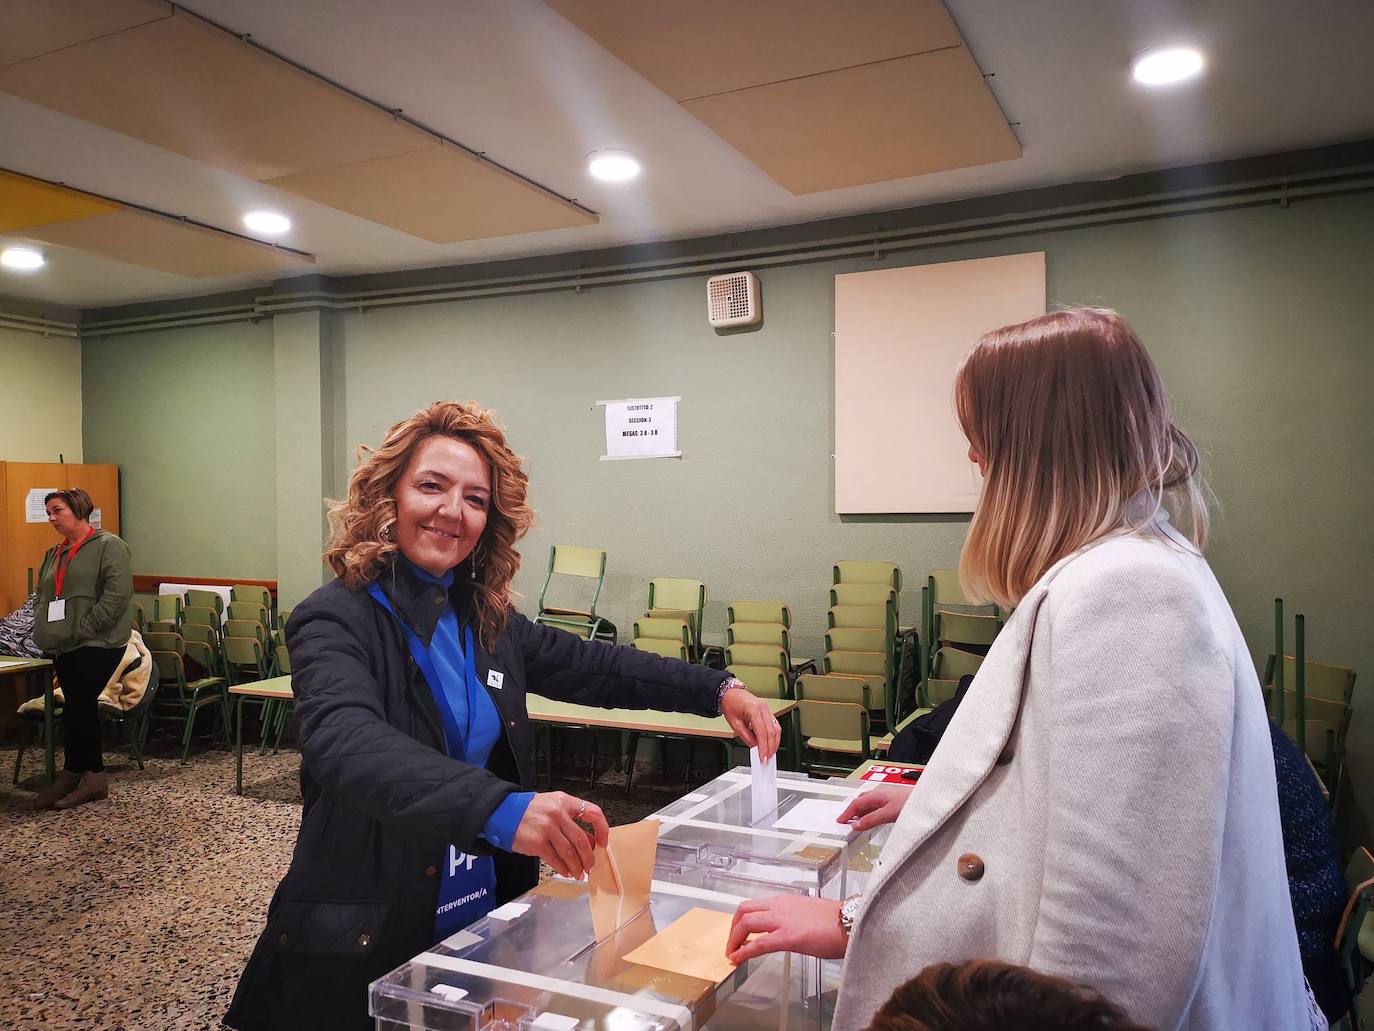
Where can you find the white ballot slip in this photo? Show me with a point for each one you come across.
(814, 814)
(763, 785)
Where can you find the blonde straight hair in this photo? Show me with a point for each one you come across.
(1073, 425)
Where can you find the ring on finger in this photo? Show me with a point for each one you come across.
(581, 809)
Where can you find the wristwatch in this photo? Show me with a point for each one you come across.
(728, 684)
(849, 912)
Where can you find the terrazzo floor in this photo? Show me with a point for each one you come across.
(139, 912)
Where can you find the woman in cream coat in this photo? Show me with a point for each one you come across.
(1102, 806)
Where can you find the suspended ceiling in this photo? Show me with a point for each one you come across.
(518, 81)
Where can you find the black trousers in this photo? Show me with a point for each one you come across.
(83, 674)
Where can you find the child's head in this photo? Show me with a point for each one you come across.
(985, 995)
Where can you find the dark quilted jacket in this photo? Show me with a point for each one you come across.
(382, 800)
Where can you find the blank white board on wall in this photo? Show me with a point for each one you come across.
(900, 335)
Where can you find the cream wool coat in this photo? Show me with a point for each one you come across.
(1111, 769)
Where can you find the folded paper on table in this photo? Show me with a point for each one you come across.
(618, 882)
(692, 945)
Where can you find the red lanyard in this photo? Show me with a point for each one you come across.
(61, 572)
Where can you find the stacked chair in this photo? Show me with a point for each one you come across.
(1312, 701)
(574, 564)
(253, 650)
(679, 599)
(834, 721)
(663, 635)
(179, 698)
(864, 638)
(955, 635)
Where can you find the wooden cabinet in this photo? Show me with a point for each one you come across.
(23, 543)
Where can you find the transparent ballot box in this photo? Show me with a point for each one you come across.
(534, 965)
(710, 839)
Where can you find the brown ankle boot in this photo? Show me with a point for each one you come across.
(93, 787)
(63, 785)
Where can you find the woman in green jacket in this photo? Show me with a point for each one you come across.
(81, 619)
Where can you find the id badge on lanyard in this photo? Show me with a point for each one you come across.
(57, 608)
(468, 889)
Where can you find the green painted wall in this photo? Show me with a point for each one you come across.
(1257, 318)
(40, 397)
(188, 416)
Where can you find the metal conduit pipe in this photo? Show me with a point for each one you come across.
(1355, 179)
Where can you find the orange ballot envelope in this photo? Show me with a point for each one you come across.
(618, 882)
(693, 945)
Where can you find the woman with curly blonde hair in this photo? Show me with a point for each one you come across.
(410, 672)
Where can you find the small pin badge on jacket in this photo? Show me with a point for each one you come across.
(495, 679)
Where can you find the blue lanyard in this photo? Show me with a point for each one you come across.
(453, 735)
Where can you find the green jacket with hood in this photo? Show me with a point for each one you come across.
(97, 589)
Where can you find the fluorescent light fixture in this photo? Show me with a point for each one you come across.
(268, 223)
(1167, 65)
(21, 259)
(614, 166)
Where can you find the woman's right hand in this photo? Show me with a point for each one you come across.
(551, 830)
(877, 807)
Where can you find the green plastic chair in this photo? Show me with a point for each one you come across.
(251, 592)
(759, 612)
(138, 618)
(949, 666)
(769, 656)
(833, 729)
(255, 610)
(760, 633)
(166, 612)
(867, 572)
(580, 564)
(179, 701)
(762, 681)
(874, 669)
(668, 649)
(206, 599)
(856, 639)
(201, 615)
(862, 594)
(675, 598)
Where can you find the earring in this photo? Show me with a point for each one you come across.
(472, 563)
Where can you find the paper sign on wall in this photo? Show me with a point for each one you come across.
(96, 517)
(35, 510)
(641, 427)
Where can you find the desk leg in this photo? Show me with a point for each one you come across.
(238, 748)
(49, 742)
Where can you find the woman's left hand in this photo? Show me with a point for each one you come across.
(752, 721)
(786, 923)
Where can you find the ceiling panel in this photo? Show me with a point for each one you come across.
(905, 117)
(190, 88)
(696, 48)
(31, 28)
(26, 203)
(153, 241)
(441, 194)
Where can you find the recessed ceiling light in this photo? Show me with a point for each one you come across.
(614, 166)
(21, 259)
(269, 223)
(1167, 65)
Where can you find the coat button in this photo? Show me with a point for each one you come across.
(438, 597)
(283, 940)
(970, 867)
(1005, 758)
(364, 940)
(430, 871)
(512, 723)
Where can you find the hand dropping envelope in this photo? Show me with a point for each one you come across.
(618, 883)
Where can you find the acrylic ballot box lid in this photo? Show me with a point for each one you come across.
(710, 839)
(534, 965)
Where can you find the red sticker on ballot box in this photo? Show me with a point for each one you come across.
(890, 772)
